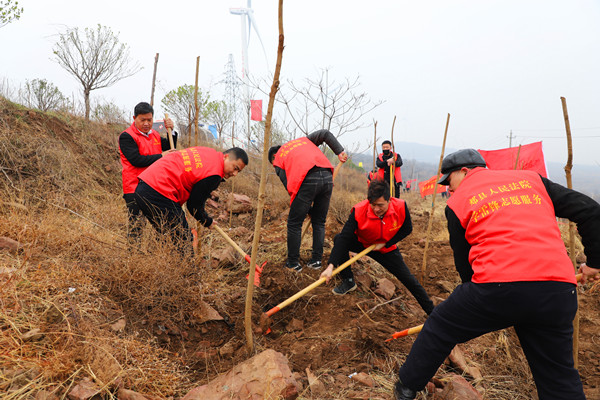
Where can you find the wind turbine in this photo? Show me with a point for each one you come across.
(248, 23)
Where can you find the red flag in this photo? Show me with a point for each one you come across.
(530, 157)
(426, 187)
(256, 110)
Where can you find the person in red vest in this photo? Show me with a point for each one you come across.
(515, 271)
(383, 221)
(384, 160)
(139, 147)
(188, 175)
(308, 177)
(371, 176)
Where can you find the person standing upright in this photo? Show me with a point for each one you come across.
(385, 160)
(308, 177)
(140, 147)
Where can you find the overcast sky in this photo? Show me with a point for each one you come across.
(495, 66)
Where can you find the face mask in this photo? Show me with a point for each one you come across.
(386, 152)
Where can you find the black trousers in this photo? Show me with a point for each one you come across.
(312, 199)
(395, 264)
(542, 314)
(134, 214)
(165, 215)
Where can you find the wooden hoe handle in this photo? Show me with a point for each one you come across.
(169, 134)
(318, 282)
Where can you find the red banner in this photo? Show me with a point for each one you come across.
(528, 156)
(256, 110)
(426, 187)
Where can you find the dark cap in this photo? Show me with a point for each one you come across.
(469, 158)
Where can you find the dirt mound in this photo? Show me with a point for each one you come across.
(77, 302)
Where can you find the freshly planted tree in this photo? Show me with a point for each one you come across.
(41, 95)
(9, 11)
(95, 58)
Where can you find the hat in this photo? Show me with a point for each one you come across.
(469, 158)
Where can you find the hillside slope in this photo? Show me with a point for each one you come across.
(77, 302)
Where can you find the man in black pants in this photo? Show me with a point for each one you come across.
(515, 271)
(383, 221)
(140, 147)
(188, 175)
(307, 175)
(385, 159)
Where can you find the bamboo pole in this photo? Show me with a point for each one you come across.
(154, 80)
(430, 224)
(393, 165)
(261, 188)
(374, 146)
(197, 107)
(232, 181)
(517, 160)
(568, 168)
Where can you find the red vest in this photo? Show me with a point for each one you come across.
(175, 174)
(511, 226)
(147, 145)
(397, 173)
(370, 176)
(296, 158)
(372, 229)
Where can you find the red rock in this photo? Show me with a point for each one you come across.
(9, 244)
(84, 390)
(364, 280)
(317, 387)
(239, 203)
(363, 379)
(264, 376)
(457, 387)
(125, 394)
(226, 256)
(295, 325)
(385, 288)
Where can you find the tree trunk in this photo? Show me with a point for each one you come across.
(86, 96)
(261, 188)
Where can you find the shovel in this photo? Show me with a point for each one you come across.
(417, 329)
(246, 256)
(265, 321)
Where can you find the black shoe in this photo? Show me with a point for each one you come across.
(315, 264)
(401, 392)
(294, 265)
(346, 286)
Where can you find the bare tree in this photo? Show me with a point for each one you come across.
(324, 104)
(96, 59)
(220, 114)
(9, 11)
(41, 95)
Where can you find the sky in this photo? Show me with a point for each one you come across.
(494, 66)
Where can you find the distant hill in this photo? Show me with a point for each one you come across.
(421, 162)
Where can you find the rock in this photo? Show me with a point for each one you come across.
(227, 350)
(226, 255)
(363, 379)
(206, 313)
(446, 286)
(240, 231)
(317, 388)
(9, 244)
(125, 394)
(295, 325)
(457, 358)
(33, 335)
(212, 203)
(264, 376)
(84, 390)
(239, 203)
(7, 272)
(457, 388)
(364, 280)
(385, 288)
(119, 325)
(45, 395)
